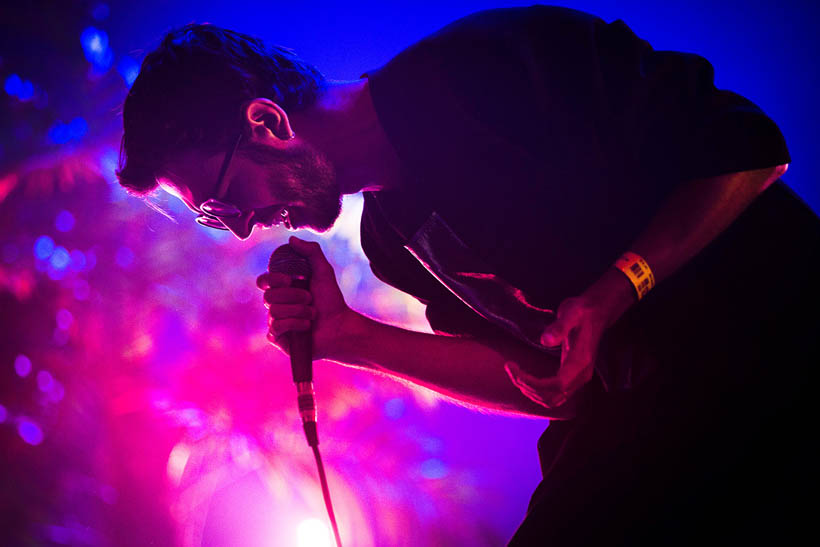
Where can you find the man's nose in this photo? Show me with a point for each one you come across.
(240, 226)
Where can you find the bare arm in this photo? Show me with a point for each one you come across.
(696, 212)
(468, 370)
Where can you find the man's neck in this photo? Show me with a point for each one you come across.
(344, 126)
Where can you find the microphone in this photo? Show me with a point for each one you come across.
(300, 344)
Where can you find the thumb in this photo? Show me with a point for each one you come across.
(313, 252)
(554, 333)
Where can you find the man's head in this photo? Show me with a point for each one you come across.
(207, 95)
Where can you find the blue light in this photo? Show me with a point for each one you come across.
(43, 247)
(60, 259)
(13, 85)
(124, 257)
(77, 260)
(95, 42)
(109, 160)
(433, 469)
(26, 91)
(394, 408)
(77, 128)
(95, 47)
(30, 432)
(59, 133)
(128, 69)
(53, 273)
(22, 365)
(64, 221)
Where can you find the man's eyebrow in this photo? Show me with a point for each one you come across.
(169, 187)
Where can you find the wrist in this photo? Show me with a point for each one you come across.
(612, 294)
(351, 333)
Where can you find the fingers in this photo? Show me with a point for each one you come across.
(287, 295)
(553, 391)
(272, 280)
(556, 332)
(291, 311)
(281, 326)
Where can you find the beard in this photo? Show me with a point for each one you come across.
(301, 174)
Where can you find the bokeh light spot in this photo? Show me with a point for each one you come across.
(4, 414)
(94, 41)
(43, 247)
(13, 85)
(45, 381)
(57, 392)
(95, 47)
(22, 365)
(394, 408)
(124, 257)
(30, 432)
(77, 128)
(77, 260)
(60, 258)
(313, 533)
(433, 469)
(129, 69)
(64, 318)
(26, 91)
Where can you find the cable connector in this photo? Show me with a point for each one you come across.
(306, 400)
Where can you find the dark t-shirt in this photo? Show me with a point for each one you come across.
(547, 138)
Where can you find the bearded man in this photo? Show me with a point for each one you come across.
(676, 365)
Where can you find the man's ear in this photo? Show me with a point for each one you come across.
(266, 121)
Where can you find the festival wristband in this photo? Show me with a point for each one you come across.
(638, 272)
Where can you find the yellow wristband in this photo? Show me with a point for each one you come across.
(638, 272)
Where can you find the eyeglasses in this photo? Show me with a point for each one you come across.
(213, 210)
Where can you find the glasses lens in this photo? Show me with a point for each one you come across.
(220, 209)
(210, 222)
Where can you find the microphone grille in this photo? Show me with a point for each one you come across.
(287, 261)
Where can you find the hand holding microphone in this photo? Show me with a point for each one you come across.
(294, 307)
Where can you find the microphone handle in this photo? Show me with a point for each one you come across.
(300, 345)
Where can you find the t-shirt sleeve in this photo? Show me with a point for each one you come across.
(666, 110)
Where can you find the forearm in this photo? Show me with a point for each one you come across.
(465, 369)
(696, 212)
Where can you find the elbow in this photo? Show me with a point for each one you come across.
(776, 173)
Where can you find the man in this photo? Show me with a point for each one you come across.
(553, 123)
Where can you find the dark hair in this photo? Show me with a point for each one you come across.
(189, 92)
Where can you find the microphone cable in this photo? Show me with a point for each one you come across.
(307, 410)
